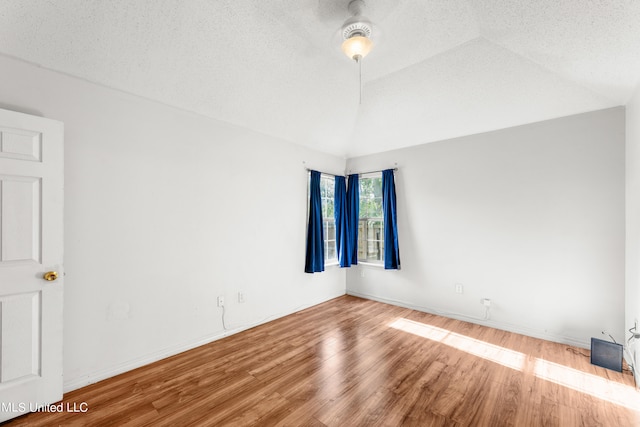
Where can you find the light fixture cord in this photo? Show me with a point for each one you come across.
(360, 78)
(358, 59)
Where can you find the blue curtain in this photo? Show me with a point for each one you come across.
(314, 261)
(353, 212)
(342, 227)
(391, 250)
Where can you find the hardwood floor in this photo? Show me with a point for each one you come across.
(354, 362)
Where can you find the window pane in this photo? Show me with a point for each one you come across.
(377, 187)
(331, 251)
(330, 212)
(376, 226)
(331, 230)
(371, 198)
(330, 187)
(323, 187)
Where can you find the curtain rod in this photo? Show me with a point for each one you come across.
(364, 173)
(323, 173)
(359, 173)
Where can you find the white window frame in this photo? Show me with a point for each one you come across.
(327, 219)
(363, 261)
(324, 177)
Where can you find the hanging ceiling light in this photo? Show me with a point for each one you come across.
(357, 47)
(356, 32)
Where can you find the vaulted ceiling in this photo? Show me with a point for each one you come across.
(439, 68)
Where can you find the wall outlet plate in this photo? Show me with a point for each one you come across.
(220, 301)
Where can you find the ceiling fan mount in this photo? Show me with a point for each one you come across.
(357, 25)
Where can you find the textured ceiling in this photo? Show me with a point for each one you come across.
(439, 69)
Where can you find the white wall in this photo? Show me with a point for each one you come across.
(164, 211)
(531, 217)
(632, 290)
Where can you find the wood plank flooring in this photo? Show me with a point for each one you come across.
(355, 362)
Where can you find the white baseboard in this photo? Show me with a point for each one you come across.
(103, 374)
(490, 323)
(129, 365)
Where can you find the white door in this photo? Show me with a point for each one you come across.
(31, 206)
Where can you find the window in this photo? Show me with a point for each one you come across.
(376, 227)
(370, 221)
(327, 188)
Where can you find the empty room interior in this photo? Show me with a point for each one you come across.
(323, 213)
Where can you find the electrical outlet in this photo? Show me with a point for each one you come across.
(240, 296)
(486, 302)
(220, 301)
(459, 288)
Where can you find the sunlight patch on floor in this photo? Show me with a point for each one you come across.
(596, 386)
(503, 356)
(599, 387)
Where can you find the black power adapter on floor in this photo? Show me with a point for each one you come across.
(606, 354)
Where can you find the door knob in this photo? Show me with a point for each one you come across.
(50, 276)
